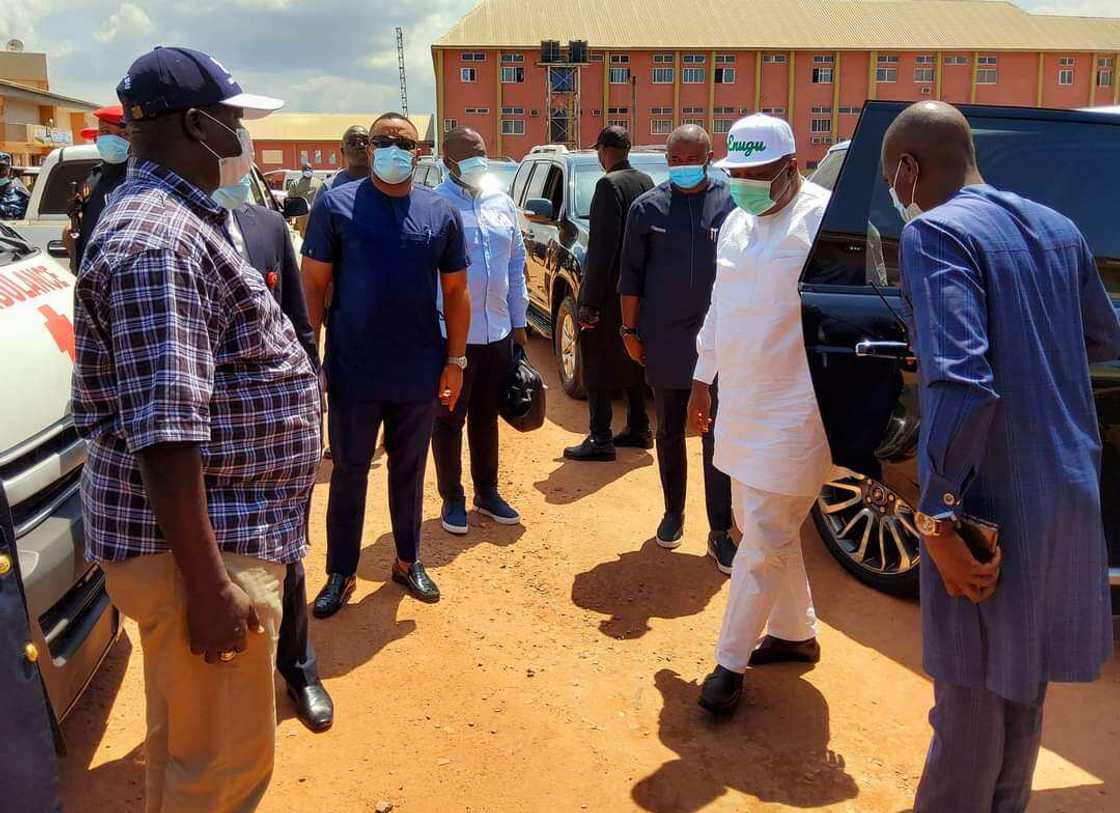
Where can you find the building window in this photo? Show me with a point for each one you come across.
(663, 59)
(692, 76)
(888, 59)
(334, 158)
(724, 111)
(926, 90)
(596, 57)
(513, 111)
(956, 60)
(620, 59)
(693, 111)
(821, 139)
(722, 126)
(924, 60)
(620, 76)
(820, 126)
(623, 123)
(773, 111)
(1067, 62)
(1104, 77)
(923, 74)
(849, 111)
(618, 111)
(477, 111)
(988, 60)
(824, 60)
(661, 126)
(663, 76)
(886, 75)
(987, 76)
(661, 111)
(773, 59)
(303, 157)
(725, 59)
(725, 76)
(517, 58)
(513, 76)
(473, 56)
(513, 127)
(694, 59)
(468, 74)
(318, 156)
(1065, 77)
(697, 122)
(822, 111)
(822, 76)
(449, 125)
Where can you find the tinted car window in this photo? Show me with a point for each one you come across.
(520, 180)
(536, 185)
(1071, 165)
(588, 173)
(829, 169)
(62, 184)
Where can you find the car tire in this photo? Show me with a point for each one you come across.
(565, 345)
(863, 523)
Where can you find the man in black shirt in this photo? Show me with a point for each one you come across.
(111, 137)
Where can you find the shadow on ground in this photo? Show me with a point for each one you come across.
(117, 785)
(644, 584)
(774, 748)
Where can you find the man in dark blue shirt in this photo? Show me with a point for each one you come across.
(667, 271)
(388, 248)
(355, 149)
(13, 195)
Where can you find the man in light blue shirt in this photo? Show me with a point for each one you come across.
(499, 303)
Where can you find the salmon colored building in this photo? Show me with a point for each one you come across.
(517, 70)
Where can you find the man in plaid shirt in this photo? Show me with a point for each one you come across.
(202, 415)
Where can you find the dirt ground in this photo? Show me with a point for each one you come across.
(560, 673)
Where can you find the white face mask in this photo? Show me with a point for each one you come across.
(907, 213)
(232, 168)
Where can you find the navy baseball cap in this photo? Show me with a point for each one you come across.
(171, 80)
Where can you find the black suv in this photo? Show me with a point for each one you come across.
(850, 297)
(553, 190)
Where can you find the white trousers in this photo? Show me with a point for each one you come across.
(769, 586)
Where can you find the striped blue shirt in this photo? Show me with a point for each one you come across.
(499, 295)
(1007, 311)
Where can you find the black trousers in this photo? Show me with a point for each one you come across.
(602, 413)
(672, 422)
(353, 432)
(295, 657)
(484, 383)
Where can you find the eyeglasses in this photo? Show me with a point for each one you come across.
(381, 142)
(357, 141)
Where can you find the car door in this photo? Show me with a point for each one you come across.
(536, 235)
(864, 377)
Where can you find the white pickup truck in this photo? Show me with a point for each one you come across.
(72, 620)
(62, 173)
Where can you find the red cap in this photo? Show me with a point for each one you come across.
(112, 114)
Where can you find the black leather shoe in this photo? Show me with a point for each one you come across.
(333, 595)
(629, 439)
(591, 450)
(776, 650)
(721, 691)
(314, 706)
(417, 581)
(670, 531)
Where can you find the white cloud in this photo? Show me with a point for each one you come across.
(129, 22)
(1080, 8)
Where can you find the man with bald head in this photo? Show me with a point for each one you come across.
(499, 305)
(666, 276)
(355, 151)
(1006, 311)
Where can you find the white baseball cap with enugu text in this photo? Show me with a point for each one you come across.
(758, 140)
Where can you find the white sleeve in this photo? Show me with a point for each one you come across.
(706, 367)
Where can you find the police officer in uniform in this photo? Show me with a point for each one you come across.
(111, 137)
(26, 739)
(13, 194)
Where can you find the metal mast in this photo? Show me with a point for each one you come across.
(400, 66)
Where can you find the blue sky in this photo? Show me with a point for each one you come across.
(319, 55)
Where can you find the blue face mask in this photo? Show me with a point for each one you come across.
(233, 197)
(472, 170)
(392, 164)
(112, 149)
(687, 177)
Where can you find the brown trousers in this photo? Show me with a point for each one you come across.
(211, 727)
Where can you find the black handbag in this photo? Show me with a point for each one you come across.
(523, 404)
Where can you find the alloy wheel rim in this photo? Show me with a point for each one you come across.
(871, 524)
(568, 346)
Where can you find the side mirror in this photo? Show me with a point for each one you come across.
(539, 210)
(295, 206)
(56, 248)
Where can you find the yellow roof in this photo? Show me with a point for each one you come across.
(780, 25)
(321, 126)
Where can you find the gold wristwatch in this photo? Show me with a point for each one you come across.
(928, 526)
